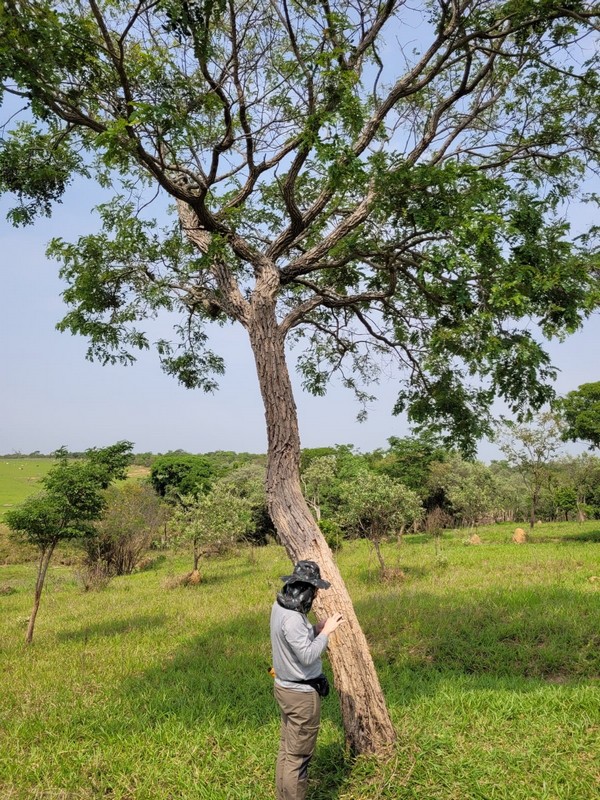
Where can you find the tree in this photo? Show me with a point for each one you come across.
(510, 492)
(467, 485)
(73, 498)
(565, 500)
(409, 459)
(379, 206)
(315, 478)
(216, 518)
(581, 412)
(181, 474)
(582, 473)
(376, 506)
(248, 482)
(529, 448)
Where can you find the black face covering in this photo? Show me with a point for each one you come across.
(297, 596)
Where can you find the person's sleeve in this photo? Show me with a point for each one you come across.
(296, 634)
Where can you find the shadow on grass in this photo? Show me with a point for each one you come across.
(552, 634)
(114, 627)
(584, 537)
(210, 702)
(218, 689)
(329, 772)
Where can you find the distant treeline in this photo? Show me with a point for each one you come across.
(524, 486)
(147, 459)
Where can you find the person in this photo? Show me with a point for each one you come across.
(297, 648)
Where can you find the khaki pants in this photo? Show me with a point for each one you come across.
(300, 718)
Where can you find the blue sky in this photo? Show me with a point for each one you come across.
(52, 396)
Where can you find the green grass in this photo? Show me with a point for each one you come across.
(489, 657)
(19, 478)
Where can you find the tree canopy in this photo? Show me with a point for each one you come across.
(394, 177)
(181, 473)
(581, 412)
(72, 497)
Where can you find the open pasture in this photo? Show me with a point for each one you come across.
(19, 478)
(489, 657)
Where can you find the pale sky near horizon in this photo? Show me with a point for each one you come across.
(52, 396)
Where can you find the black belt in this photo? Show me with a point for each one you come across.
(320, 684)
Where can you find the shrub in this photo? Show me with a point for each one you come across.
(131, 522)
(332, 532)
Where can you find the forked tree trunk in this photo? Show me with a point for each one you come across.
(366, 720)
(45, 556)
(379, 554)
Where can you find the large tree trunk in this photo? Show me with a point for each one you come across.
(366, 720)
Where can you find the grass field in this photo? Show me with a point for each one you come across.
(20, 477)
(489, 657)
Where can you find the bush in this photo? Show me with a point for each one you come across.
(93, 577)
(332, 533)
(133, 518)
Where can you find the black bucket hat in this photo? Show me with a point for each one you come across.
(306, 572)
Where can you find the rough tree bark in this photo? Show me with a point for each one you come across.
(367, 722)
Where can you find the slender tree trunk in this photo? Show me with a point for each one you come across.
(366, 720)
(534, 503)
(45, 556)
(379, 554)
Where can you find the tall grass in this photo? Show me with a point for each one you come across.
(489, 657)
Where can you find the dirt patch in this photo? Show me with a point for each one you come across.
(559, 680)
(392, 574)
(191, 579)
(138, 472)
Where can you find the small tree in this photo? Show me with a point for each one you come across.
(376, 506)
(565, 500)
(73, 498)
(216, 518)
(467, 485)
(530, 447)
(248, 482)
(315, 478)
(582, 473)
(510, 492)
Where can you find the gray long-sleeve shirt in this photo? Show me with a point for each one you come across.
(296, 649)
